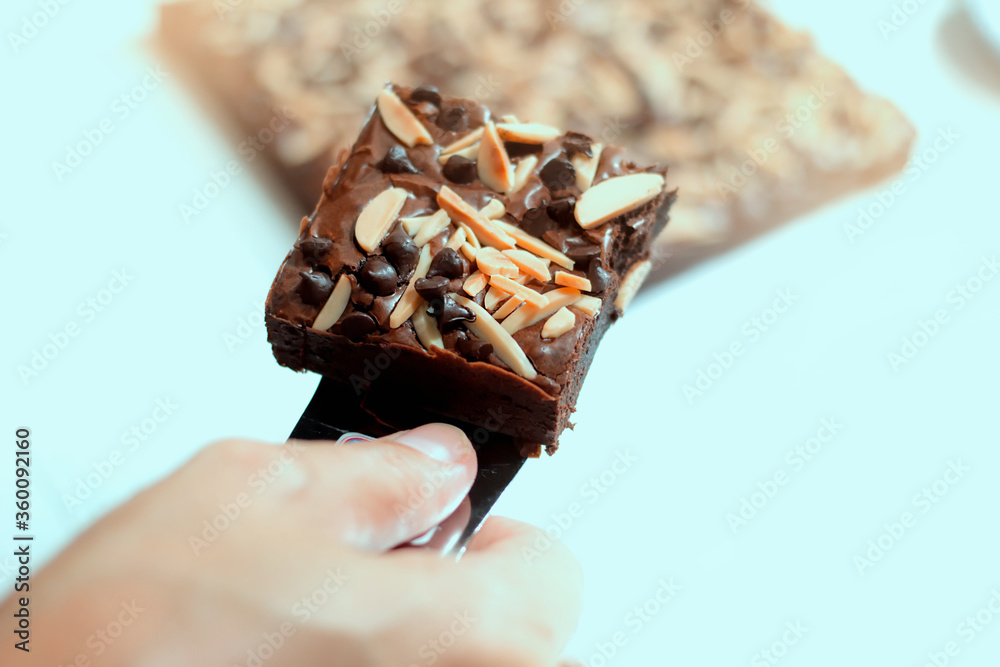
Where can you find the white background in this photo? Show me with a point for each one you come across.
(665, 517)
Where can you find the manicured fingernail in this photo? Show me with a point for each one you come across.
(439, 441)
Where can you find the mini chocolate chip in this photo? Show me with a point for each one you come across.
(558, 174)
(400, 249)
(582, 253)
(357, 325)
(432, 288)
(597, 275)
(396, 161)
(315, 287)
(459, 170)
(453, 119)
(449, 314)
(517, 150)
(477, 350)
(315, 248)
(448, 263)
(426, 94)
(536, 221)
(378, 277)
(556, 239)
(577, 143)
(561, 210)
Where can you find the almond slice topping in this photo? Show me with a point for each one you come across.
(433, 226)
(527, 133)
(401, 121)
(588, 305)
(633, 280)
(493, 263)
(523, 171)
(426, 328)
(494, 297)
(529, 314)
(572, 280)
(611, 198)
(504, 345)
(517, 289)
(374, 222)
(493, 163)
(466, 141)
(412, 225)
(335, 305)
(509, 118)
(457, 240)
(469, 153)
(535, 245)
(508, 307)
(559, 323)
(470, 236)
(494, 210)
(469, 251)
(586, 167)
(531, 265)
(475, 283)
(407, 304)
(487, 231)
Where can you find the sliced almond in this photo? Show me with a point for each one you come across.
(589, 305)
(407, 304)
(529, 314)
(531, 265)
(523, 171)
(494, 210)
(504, 345)
(469, 153)
(335, 305)
(469, 251)
(457, 239)
(493, 163)
(586, 167)
(508, 307)
(487, 231)
(572, 280)
(514, 288)
(374, 222)
(559, 323)
(470, 236)
(491, 262)
(401, 121)
(509, 118)
(611, 198)
(427, 328)
(436, 224)
(466, 141)
(522, 279)
(527, 133)
(535, 245)
(475, 283)
(633, 280)
(412, 225)
(494, 297)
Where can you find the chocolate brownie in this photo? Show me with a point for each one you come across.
(465, 265)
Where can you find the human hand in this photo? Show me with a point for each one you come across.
(257, 555)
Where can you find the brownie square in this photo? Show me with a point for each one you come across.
(466, 266)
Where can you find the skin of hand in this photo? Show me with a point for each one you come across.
(260, 555)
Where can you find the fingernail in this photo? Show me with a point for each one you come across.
(441, 442)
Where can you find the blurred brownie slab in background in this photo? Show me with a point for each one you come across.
(756, 126)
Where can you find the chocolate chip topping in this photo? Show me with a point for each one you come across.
(396, 161)
(432, 289)
(449, 314)
(558, 174)
(358, 325)
(426, 94)
(561, 210)
(453, 119)
(315, 287)
(315, 249)
(474, 349)
(597, 275)
(378, 277)
(516, 149)
(581, 254)
(448, 263)
(536, 221)
(459, 169)
(400, 249)
(577, 143)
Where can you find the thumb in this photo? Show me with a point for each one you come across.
(391, 490)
